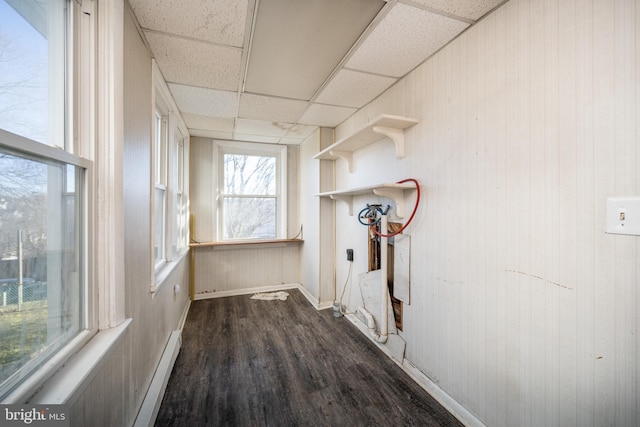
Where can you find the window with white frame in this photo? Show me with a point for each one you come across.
(182, 206)
(160, 188)
(43, 193)
(251, 191)
(170, 171)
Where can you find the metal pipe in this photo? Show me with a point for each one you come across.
(371, 324)
(383, 335)
(384, 291)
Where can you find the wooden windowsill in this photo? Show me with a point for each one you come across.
(244, 243)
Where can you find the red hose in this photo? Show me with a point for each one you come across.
(415, 208)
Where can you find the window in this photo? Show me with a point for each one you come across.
(160, 189)
(170, 188)
(32, 69)
(43, 193)
(251, 194)
(182, 207)
(42, 259)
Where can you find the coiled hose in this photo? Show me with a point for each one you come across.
(371, 213)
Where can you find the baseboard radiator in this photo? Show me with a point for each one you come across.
(151, 404)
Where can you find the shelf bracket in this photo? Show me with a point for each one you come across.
(346, 199)
(395, 194)
(396, 135)
(344, 155)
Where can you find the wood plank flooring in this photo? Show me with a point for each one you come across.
(249, 362)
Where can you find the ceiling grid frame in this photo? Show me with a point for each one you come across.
(231, 24)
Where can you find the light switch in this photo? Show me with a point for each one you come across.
(623, 215)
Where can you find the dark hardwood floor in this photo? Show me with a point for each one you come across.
(247, 362)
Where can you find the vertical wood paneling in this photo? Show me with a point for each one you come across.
(485, 155)
(636, 137)
(115, 393)
(477, 53)
(567, 201)
(234, 269)
(499, 132)
(309, 214)
(515, 381)
(455, 193)
(138, 110)
(547, 412)
(326, 213)
(604, 167)
(585, 196)
(442, 189)
(522, 308)
(202, 202)
(493, 238)
(626, 116)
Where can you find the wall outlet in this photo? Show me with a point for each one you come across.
(349, 254)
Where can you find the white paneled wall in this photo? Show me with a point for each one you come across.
(236, 269)
(116, 390)
(522, 308)
(309, 184)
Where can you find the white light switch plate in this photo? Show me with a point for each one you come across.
(623, 215)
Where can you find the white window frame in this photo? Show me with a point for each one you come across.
(257, 149)
(87, 326)
(165, 170)
(182, 205)
(159, 168)
(58, 33)
(75, 136)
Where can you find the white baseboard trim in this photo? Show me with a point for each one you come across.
(246, 291)
(152, 400)
(324, 305)
(448, 402)
(312, 300)
(183, 318)
(365, 331)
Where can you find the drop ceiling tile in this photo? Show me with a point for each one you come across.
(194, 121)
(204, 101)
(297, 44)
(468, 9)
(270, 108)
(403, 39)
(218, 21)
(262, 127)
(196, 63)
(350, 88)
(326, 115)
(300, 131)
(211, 134)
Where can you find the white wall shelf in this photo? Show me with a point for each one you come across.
(395, 192)
(382, 126)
